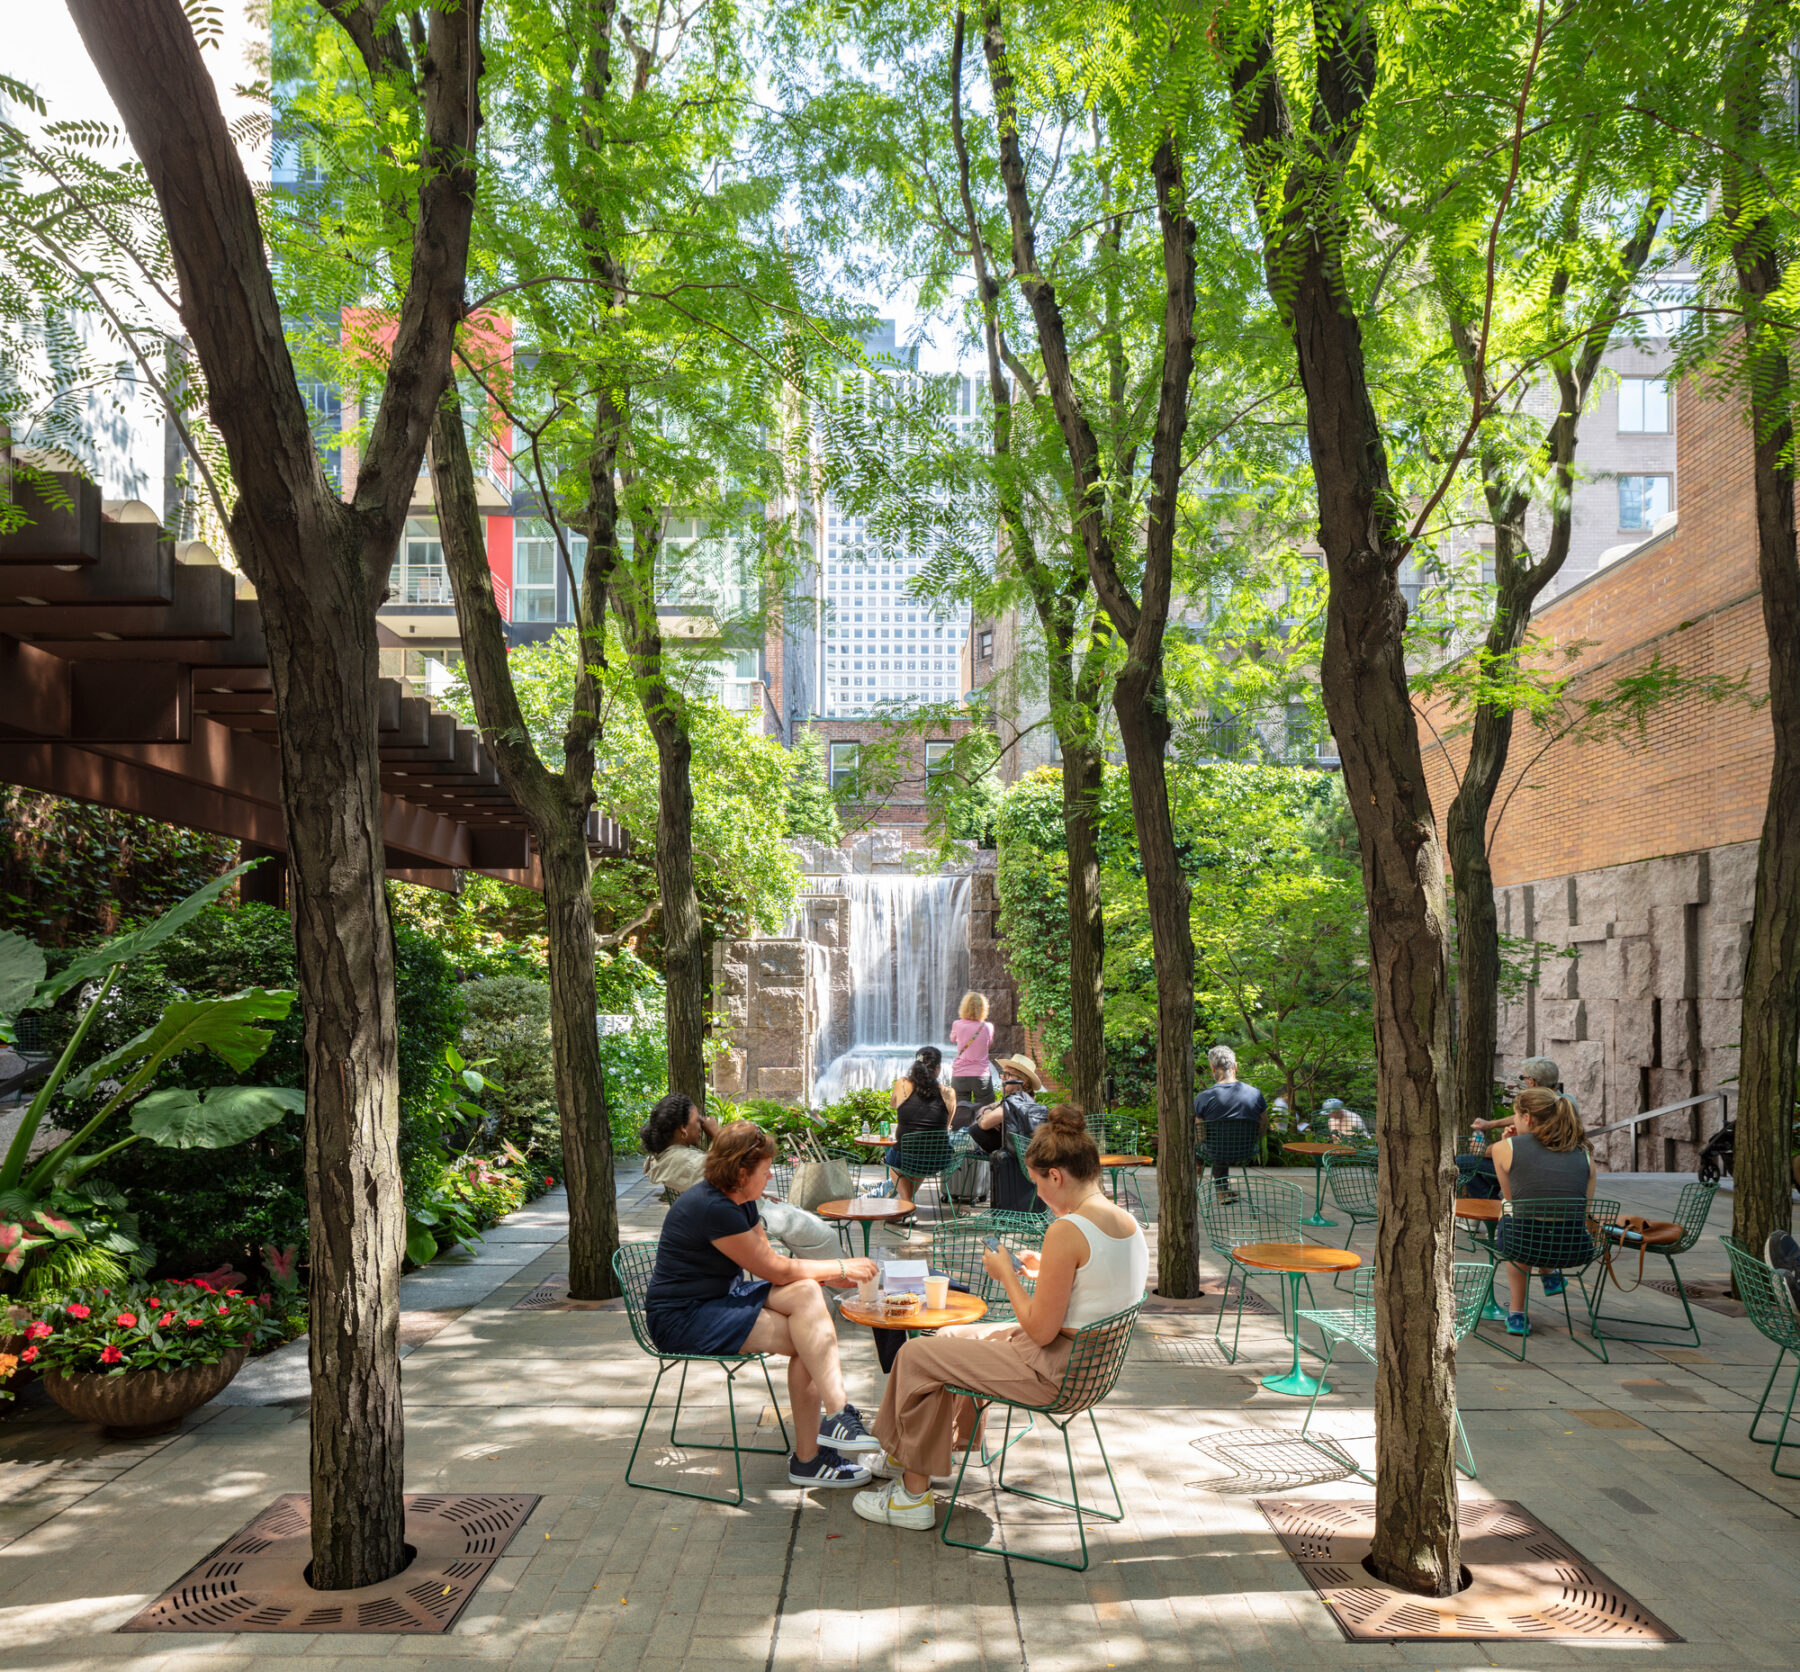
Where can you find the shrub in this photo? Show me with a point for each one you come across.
(200, 1208)
(506, 1029)
(143, 1326)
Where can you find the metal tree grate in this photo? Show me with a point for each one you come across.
(1714, 1293)
(256, 1579)
(1525, 1582)
(552, 1295)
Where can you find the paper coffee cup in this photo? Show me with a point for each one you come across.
(868, 1292)
(937, 1292)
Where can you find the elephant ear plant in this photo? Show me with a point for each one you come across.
(48, 1214)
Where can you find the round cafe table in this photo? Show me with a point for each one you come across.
(1487, 1210)
(873, 1140)
(868, 1211)
(960, 1308)
(1128, 1164)
(1296, 1260)
(1318, 1152)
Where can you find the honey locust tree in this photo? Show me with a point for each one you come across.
(320, 565)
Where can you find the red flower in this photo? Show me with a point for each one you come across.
(201, 1283)
(39, 1331)
(548, 1180)
(195, 1323)
(127, 1320)
(110, 1355)
(233, 1293)
(153, 1303)
(28, 1355)
(165, 1320)
(76, 1310)
(223, 1307)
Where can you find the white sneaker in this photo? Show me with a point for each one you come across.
(886, 1467)
(890, 1506)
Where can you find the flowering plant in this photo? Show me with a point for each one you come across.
(145, 1326)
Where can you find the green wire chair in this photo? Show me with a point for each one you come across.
(1691, 1210)
(632, 1265)
(1350, 1181)
(1551, 1232)
(1095, 1361)
(1261, 1210)
(1233, 1142)
(925, 1157)
(1772, 1311)
(957, 1251)
(1355, 1327)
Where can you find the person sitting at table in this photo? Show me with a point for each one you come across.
(1547, 1155)
(1018, 1111)
(1476, 1169)
(921, 1104)
(675, 1140)
(1343, 1122)
(1228, 1101)
(1094, 1263)
(699, 1302)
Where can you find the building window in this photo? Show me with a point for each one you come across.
(1644, 499)
(937, 758)
(1643, 406)
(535, 562)
(987, 644)
(418, 575)
(843, 763)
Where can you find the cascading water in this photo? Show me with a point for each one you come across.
(909, 967)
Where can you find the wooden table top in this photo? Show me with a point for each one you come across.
(1127, 1160)
(960, 1309)
(1313, 1147)
(1296, 1256)
(867, 1207)
(1477, 1207)
(874, 1140)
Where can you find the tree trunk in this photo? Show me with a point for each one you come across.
(1416, 1544)
(1144, 732)
(555, 805)
(1762, 1201)
(575, 1048)
(1082, 768)
(320, 567)
(684, 946)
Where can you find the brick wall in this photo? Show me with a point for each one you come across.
(1698, 776)
(906, 805)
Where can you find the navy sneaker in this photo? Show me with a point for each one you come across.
(1554, 1282)
(1517, 1324)
(844, 1430)
(827, 1469)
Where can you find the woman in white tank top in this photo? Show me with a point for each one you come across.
(1094, 1263)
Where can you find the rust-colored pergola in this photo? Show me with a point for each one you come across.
(136, 676)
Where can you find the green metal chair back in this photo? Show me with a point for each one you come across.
(1124, 1136)
(1469, 1292)
(925, 1155)
(1097, 1125)
(1351, 1181)
(1095, 1363)
(1265, 1210)
(1558, 1233)
(1691, 1209)
(632, 1265)
(1233, 1142)
(1761, 1291)
(1018, 1143)
(958, 1250)
(1006, 1222)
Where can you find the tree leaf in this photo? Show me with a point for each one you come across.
(421, 1245)
(136, 943)
(226, 1115)
(222, 1026)
(21, 969)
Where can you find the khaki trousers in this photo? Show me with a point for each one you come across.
(921, 1425)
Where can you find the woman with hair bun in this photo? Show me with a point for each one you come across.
(1547, 1155)
(1094, 1263)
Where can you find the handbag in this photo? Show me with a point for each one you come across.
(820, 1179)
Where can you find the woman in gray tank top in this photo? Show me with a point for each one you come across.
(1546, 1157)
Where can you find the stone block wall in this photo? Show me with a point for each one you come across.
(1638, 991)
(769, 993)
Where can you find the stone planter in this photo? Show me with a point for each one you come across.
(141, 1401)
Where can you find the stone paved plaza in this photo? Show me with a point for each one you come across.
(1642, 1464)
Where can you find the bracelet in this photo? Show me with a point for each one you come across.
(840, 1267)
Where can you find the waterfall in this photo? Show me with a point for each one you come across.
(909, 967)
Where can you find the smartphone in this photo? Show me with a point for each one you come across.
(994, 1243)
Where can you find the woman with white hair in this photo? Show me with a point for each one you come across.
(1231, 1113)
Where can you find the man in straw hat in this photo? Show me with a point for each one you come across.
(1017, 1111)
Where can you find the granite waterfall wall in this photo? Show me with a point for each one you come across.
(1638, 1000)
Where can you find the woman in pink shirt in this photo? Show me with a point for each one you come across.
(973, 1035)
